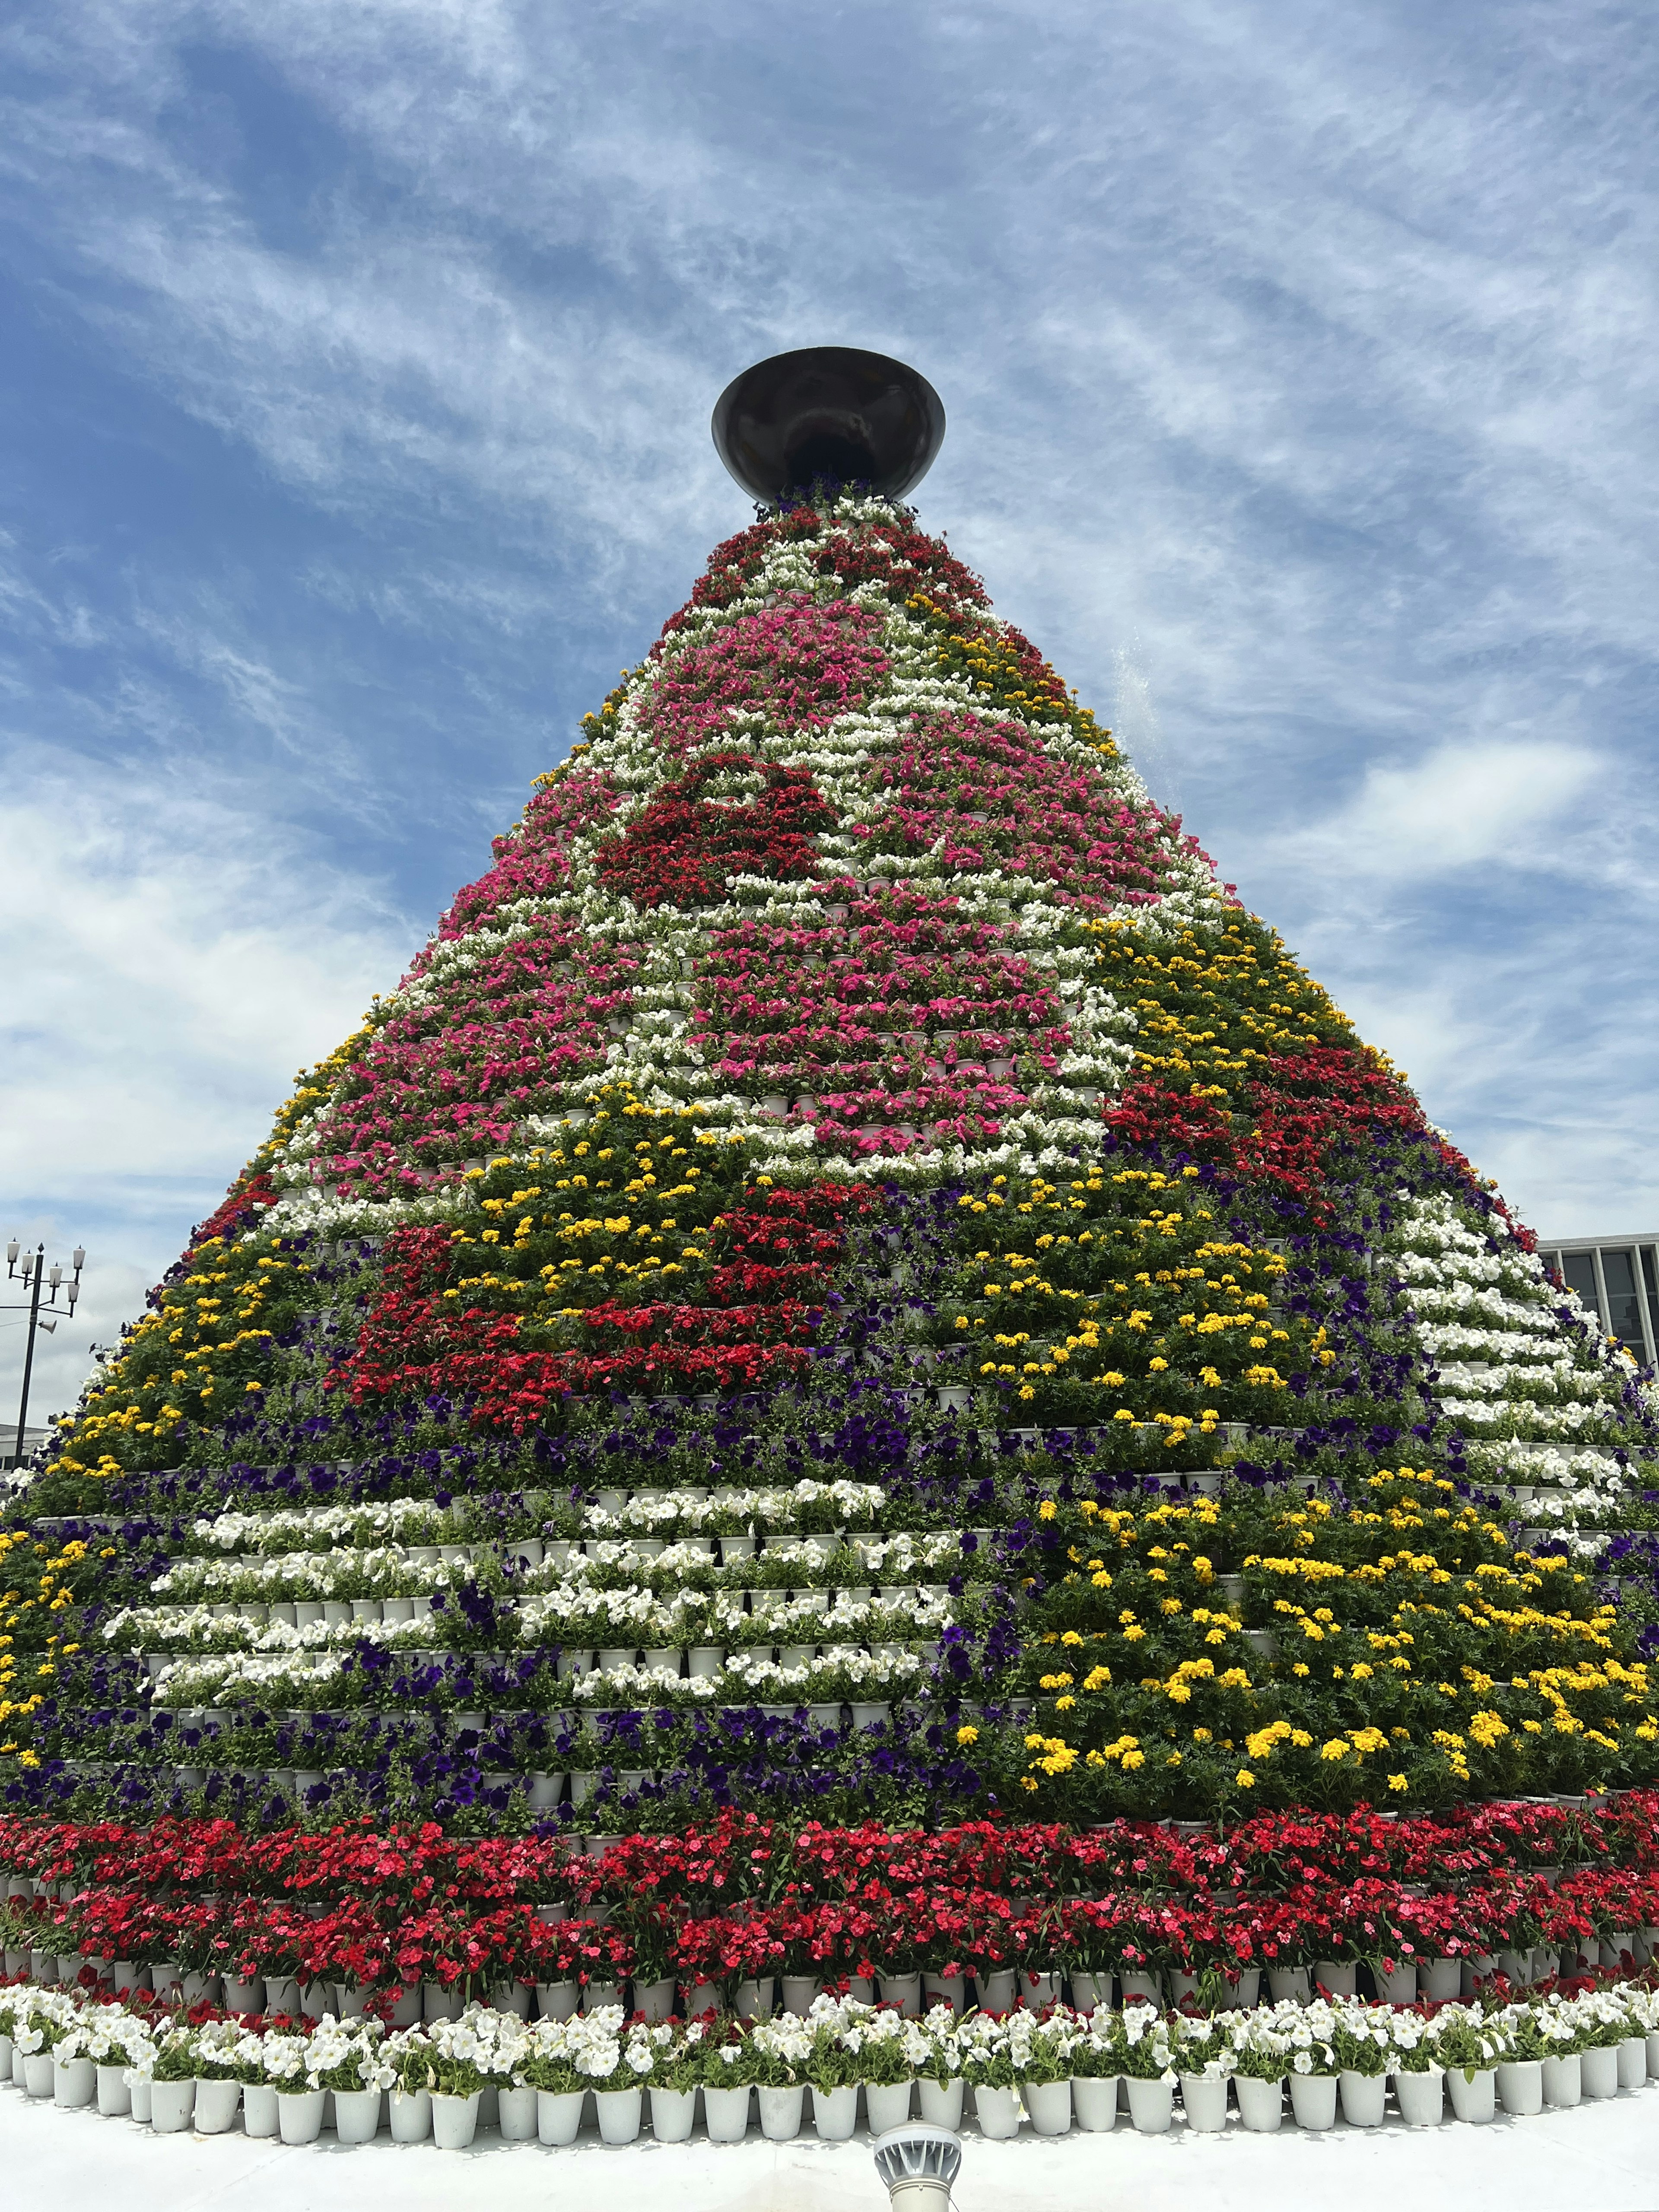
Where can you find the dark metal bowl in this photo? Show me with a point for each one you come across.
(828, 414)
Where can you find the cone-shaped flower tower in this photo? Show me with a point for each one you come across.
(851, 1281)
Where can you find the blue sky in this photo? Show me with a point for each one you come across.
(353, 387)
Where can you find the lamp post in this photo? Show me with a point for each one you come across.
(33, 1274)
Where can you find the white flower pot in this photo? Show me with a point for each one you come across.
(1284, 1982)
(1244, 1994)
(1521, 2087)
(903, 1990)
(1260, 2104)
(1422, 2099)
(799, 1991)
(114, 2098)
(1474, 2096)
(1562, 2080)
(1441, 1979)
(356, 2115)
(282, 1997)
(620, 2113)
(518, 2115)
(75, 2083)
(997, 2112)
(140, 2087)
(244, 1997)
(555, 2000)
(558, 2115)
(171, 2104)
(1151, 2107)
(1204, 2100)
(780, 2114)
(1094, 2102)
(673, 2111)
(655, 2000)
(945, 1989)
(887, 2104)
(1312, 2101)
(1338, 1978)
(1653, 2053)
(1363, 2097)
(834, 2112)
(217, 2102)
(996, 1991)
(409, 2115)
(1633, 2062)
(299, 2114)
(1089, 1990)
(726, 2112)
(941, 2102)
(37, 2073)
(260, 2117)
(1142, 1989)
(1598, 2071)
(1048, 2106)
(454, 2120)
(753, 2000)
(1399, 1987)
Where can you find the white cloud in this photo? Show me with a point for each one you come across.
(169, 963)
(1459, 807)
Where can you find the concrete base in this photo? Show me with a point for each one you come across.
(1603, 2156)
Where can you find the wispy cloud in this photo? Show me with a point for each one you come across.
(1301, 371)
(168, 963)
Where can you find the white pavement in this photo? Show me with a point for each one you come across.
(1603, 2158)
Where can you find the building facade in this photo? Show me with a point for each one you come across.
(1617, 1277)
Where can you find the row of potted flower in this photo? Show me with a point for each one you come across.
(381, 1948)
(1056, 2068)
(740, 1857)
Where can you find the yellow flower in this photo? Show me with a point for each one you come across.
(1244, 1779)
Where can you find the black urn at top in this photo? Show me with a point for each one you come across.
(827, 415)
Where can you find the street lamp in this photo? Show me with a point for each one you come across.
(30, 1269)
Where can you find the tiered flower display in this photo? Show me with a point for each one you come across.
(851, 1284)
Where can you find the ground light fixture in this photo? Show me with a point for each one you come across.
(920, 2163)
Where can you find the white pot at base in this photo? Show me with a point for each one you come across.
(454, 2120)
(1094, 2103)
(409, 2113)
(1422, 2099)
(1260, 2104)
(1048, 2106)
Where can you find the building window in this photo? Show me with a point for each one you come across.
(1624, 1309)
(1621, 1282)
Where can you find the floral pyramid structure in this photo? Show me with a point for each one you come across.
(852, 1284)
